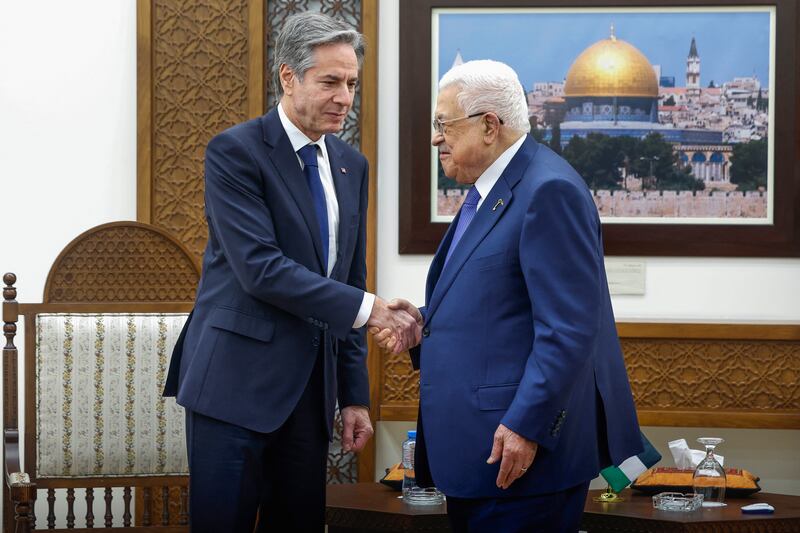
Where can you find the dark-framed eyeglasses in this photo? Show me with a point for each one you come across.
(439, 125)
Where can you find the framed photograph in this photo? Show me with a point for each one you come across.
(681, 119)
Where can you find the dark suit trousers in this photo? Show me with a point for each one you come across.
(557, 512)
(234, 471)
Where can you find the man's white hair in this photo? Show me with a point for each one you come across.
(490, 86)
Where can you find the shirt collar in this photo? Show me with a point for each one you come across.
(297, 137)
(490, 176)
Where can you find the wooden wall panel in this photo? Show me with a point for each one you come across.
(200, 72)
(717, 375)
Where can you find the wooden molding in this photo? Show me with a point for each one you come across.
(369, 147)
(144, 109)
(256, 61)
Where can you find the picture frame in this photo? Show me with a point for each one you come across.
(420, 234)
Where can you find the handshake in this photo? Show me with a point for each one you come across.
(396, 326)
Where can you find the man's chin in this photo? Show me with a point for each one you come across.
(333, 126)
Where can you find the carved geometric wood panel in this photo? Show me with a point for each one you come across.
(691, 375)
(400, 380)
(122, 262)
(705, 374)
(199, 88)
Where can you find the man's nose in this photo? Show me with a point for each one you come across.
(343, 96)
(437, 138)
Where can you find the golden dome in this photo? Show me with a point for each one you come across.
(611, 68)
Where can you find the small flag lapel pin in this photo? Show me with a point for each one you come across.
(497, 204)
(343, 170)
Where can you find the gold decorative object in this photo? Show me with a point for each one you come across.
(609, 496)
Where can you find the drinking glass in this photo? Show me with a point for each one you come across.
(709, 476)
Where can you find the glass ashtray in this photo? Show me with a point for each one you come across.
(677, 501)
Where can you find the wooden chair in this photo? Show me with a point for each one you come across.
(96, 352)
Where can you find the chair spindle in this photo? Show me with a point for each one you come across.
(126, 498)
(51, 511)
(183, 510)
(89, 505)
(109, 516)
(146, 500)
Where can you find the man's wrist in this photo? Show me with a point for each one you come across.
(365, 310)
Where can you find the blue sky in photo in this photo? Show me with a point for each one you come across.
(542, 46)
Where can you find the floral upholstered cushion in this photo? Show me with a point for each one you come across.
(99, 409)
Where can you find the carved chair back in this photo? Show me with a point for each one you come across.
(96, 353)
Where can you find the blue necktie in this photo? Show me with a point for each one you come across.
(308, 155)
(468, 210)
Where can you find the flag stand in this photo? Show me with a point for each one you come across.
(609, 496)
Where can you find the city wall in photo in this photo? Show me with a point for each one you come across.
(663, 204)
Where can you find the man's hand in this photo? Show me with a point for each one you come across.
(397, 326)
(356, 428)
(517, 455)
(387, 339)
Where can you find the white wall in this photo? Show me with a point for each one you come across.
(677, 289)
(67, 127)
(67, 131)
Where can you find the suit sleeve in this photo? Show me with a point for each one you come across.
(351, 371)
(562, 265)
(242, 222)
(415, 352)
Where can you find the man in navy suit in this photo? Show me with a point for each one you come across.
(276, 334)
(524, 395)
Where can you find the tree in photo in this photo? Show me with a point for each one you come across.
(749, 165)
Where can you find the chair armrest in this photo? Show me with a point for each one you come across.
(22, 492)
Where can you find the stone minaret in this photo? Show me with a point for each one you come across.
(693, 72)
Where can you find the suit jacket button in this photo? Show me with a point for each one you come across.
(426, 332)
(315, 343)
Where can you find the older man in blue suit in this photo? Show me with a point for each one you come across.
(524, 395)
(276, 333)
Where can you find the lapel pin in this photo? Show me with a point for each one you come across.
(498, 204)
(343, 170)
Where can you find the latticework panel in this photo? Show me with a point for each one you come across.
(681, 378)
(122, 262)
(400, 380)
(199, 89)
(714, 374)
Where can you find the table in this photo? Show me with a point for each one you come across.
(372, 507)
(636, 514)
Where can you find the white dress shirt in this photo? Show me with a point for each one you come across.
(299, 140)
(486, 181)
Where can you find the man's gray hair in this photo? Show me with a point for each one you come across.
(490, 86)
(301, 34)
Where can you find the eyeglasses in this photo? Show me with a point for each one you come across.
(439, 125)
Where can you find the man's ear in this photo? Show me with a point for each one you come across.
(287, 78)
(491, 127)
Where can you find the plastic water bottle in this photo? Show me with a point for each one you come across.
(411, 492)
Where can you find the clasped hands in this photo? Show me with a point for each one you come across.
(396, 325)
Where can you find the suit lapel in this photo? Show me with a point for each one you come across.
(492, 209)
(485, 219)
(285, 161)
(435, 269)
(345, 196)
